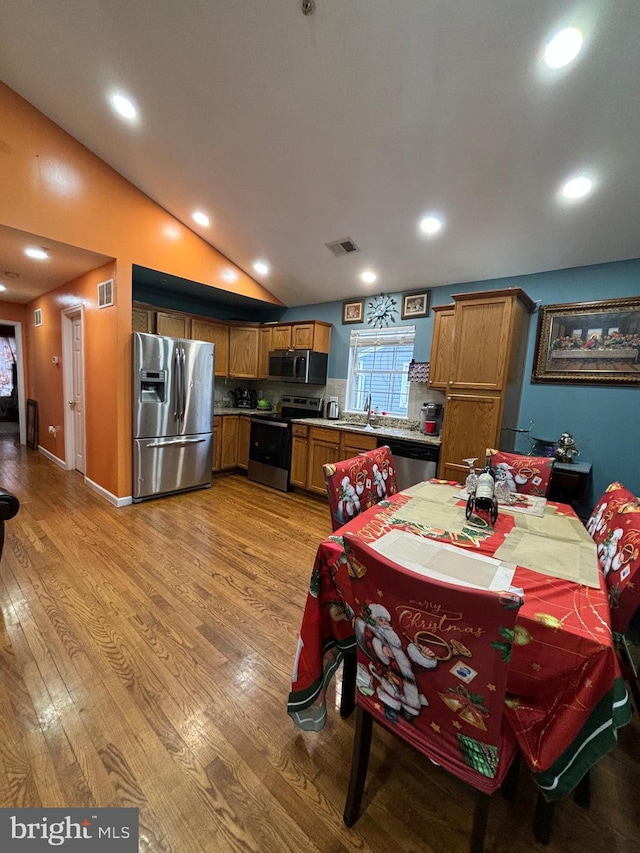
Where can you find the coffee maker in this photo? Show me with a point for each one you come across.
(431, 418)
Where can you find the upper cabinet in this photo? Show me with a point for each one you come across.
(314, 335)
(490, 334)
(173, 325)
(243, 351)
(217, 334)
(441, 346)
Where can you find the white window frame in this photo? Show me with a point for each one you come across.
(361, 382)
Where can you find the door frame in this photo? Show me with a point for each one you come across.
(67, 317)
(22, 410)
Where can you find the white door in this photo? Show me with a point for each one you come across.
(77, 391)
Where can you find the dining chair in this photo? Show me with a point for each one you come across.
(614, 525)
(356, 484)
(527, 475)
(432, 665)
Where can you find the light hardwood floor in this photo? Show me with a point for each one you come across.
(145, 661)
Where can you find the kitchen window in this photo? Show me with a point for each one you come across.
(378, 365)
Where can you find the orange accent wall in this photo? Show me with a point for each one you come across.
(96, 209)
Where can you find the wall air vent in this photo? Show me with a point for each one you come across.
(38, 316)
(105, 294)
(346, 246)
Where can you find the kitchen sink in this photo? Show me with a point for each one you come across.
(358, 426)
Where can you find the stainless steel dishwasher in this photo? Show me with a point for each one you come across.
(415, 461)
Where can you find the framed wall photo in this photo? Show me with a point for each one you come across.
(415, 304)
(589, 342)
(353, 311)
(32, 424)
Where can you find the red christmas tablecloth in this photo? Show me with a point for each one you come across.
(566, 697)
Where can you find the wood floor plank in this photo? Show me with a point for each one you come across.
(145, 656)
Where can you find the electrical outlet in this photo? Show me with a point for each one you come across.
(52, 430)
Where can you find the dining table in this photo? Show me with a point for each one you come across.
(566, 698)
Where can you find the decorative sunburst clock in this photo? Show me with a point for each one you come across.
(381, 311)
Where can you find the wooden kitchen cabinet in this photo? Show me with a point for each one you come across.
(314, 335)
(173, 325)
(353, 443)
(243, 351)
(265, 346)
(441, 346)
(217, 334)
(142, 319)
(281, 336)
(324, 447)
(490, 336)
(299, 455)
(244, 431)
(229, 442)
(217, 446)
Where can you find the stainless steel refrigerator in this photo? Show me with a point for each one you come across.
(172, 415)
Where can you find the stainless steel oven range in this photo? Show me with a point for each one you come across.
(270, 440)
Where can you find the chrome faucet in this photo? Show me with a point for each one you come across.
(367, 408)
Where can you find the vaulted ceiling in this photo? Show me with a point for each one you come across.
(292, 131)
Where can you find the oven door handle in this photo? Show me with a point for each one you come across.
(269, 423)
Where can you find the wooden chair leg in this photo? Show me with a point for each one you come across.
(509, 787)
(359, 765)
(348, 698)
(582, 792)
(480, 818)
(543, 820)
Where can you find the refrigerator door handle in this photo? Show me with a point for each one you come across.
(173, 442)
(176, 384)
(183, 383)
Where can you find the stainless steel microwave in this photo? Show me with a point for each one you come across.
(302, 365)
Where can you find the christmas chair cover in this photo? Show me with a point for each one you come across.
(356, 484)
(614, 525)
(527, 475)
(432, 664)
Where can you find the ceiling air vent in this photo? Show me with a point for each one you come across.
(105, 294)
(346, 246)
(38, 316)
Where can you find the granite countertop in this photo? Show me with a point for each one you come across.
(346, 425)
(380, 429)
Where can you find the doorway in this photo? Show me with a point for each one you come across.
(73, 385)
(19, 377)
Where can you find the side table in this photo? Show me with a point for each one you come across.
(570, 484)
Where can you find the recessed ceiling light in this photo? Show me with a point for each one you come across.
(563, 47)
(38, 254)
(368, 277)
(431, 224)
(261, 267)
(2, 287)
(576, 187)
(201, 218)
(124, 106)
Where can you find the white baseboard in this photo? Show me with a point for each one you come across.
(105, 494)
(51, 457)
(96, 488)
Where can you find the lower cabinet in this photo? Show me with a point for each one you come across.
(217, 447)
(299, 455)
(473, 421)
(244, 431)
(331, 445)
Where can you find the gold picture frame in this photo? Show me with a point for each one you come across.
(589, 342)
(353, 311)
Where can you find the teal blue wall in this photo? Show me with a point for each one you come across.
(604, 420)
